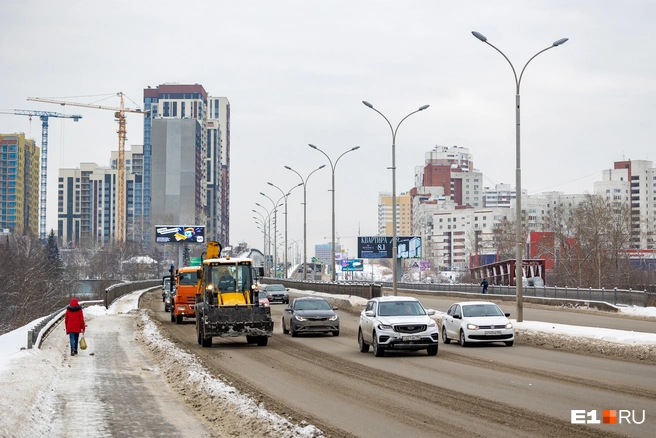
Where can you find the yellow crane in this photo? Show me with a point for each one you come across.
(119, 114)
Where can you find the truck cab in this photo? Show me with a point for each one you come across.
(184, 301)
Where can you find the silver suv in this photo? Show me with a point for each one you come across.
(397, 323)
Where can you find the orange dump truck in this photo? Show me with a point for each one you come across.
(184, 304)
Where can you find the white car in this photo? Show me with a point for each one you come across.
(397, 323)
(477, 321)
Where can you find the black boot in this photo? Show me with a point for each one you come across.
(72, 352)
(75, 352)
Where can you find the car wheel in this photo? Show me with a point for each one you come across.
(509, 343)
(445, 338)
(432, 350)
(178, 319)
(293, 330)
(251, 339)
(364, 347)
(284, 329)
(198, 334)
(463, 343)
(336, 333)
(172, 316)
(262, 341)
(378, 350)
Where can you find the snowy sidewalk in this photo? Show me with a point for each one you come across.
(109, 389)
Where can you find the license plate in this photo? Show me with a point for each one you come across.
(492, 332)
(411, 338)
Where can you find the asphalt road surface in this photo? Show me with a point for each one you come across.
(481, 391)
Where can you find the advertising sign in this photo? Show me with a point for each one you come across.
(380, 247)
(179, 233)
(352, 265)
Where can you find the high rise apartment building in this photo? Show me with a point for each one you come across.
(218, 167)
(209, 117)
(86, 213)
(403, 214)
(19, 184)
(636, 179)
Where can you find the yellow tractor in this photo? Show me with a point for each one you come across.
(227, 302)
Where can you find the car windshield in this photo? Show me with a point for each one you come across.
(261, 294)
(401, 308)
(312, 305)
(275, 287)
(474, 310)
(188, 279)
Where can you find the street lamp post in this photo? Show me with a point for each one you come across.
(304, 182)
(394, 250)
(267, 246)
(333, 193)
(263, 231)
(285, 196)
(275, 232)
(518, 172)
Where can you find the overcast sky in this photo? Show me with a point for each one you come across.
(295, 73)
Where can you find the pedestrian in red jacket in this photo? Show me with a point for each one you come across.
(74, 322)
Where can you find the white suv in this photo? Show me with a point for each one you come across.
(397, 323)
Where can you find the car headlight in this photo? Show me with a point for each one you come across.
(472, 327)
(333, 318)
(509, 325)
(432, 324)
(382, 326)
(300, 318)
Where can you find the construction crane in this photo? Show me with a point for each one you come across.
(44, 116)
(119, 114)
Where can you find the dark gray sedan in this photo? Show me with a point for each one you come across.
(310, 315)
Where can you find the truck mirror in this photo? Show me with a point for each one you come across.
(199, 274)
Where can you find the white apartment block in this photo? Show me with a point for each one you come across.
(540, 208)
(467, 188)
(635, 179)
(501, 195)
(454, 156)
(463, 232)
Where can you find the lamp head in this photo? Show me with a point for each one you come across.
(355, 148)
(560, 42)
(312, 146)
(269, 183)
(480, 36)
(262, 194)
(322, 166)
(258, 205)
(288, 168)
(423, 107)
(368, 104)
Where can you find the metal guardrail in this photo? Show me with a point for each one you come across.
(358, 289)
(613, 296)
(40, 331)
(112, 293)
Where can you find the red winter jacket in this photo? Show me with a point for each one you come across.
(74, 318)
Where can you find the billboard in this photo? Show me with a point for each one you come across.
(380, 247)
(352, 265)
(179, 233)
